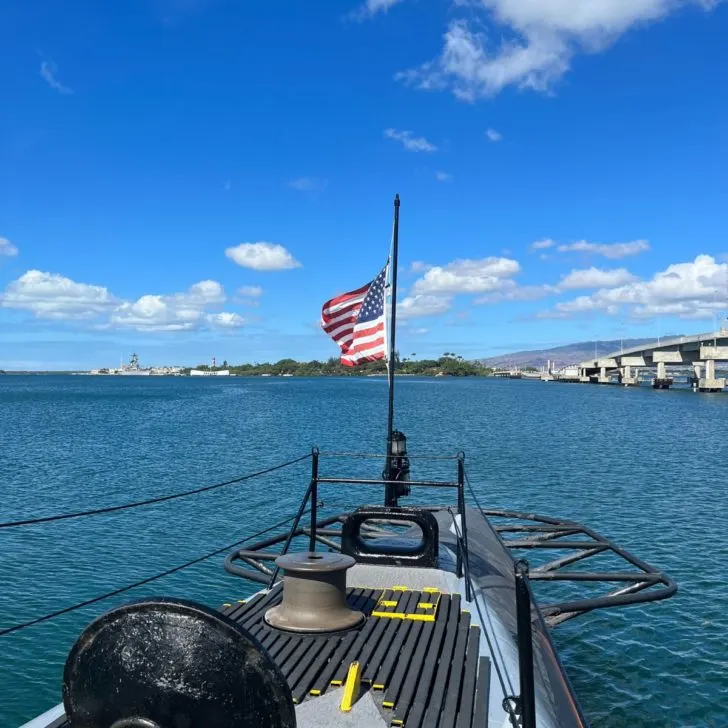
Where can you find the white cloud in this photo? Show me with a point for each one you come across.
(493, 135)
(156, 313)
(688, 290)
(202, 293)
(262, 256)
(372, 7)
(52, 296)
(608, 250)
(7, 248)
(417, 266)
(443, 177)
(596, 278)
(423, 305)
(468, 276)
(542, 244)
(409, 142)
(226, 320)
(48, 73)
(176, 312)
(513, 292)
(539, 38)
(250, 291)
(308, 184)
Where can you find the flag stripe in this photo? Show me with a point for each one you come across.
(351, 313)
(365, 355)
(341, 328)
(344, 296)
(372, 343)
(333, 306)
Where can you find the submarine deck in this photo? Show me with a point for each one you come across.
(419, 658)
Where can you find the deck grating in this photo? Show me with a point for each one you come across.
(426, 674)
(415, 697)
(449, 712)
(467, 694)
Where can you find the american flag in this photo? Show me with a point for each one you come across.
(355, 321)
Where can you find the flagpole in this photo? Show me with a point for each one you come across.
(390, 495)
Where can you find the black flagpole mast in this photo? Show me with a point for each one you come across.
(390, 495)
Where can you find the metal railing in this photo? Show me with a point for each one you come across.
(252, 562)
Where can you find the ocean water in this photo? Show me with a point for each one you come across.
(646, 468)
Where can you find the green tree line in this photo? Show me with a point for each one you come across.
(449, 364)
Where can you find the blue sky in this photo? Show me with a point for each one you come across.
(188, 178)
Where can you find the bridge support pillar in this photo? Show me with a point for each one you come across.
(661, 381)
(710, 383)
(628, 378)
(583, 376)
(603, 378)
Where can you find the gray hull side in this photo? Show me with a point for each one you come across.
(492, 572)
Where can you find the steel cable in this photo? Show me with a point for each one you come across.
(149, 501)
(142, 582)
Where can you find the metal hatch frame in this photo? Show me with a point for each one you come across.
(644, 583)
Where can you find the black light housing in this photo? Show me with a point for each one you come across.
(398, 467)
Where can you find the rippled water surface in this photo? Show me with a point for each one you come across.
(646, 468)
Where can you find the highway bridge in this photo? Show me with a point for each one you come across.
(697, 354)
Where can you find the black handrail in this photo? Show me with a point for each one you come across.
(314, 497)
(527, 698)
(369, 481)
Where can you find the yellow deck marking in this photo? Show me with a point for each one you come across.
(351, 688)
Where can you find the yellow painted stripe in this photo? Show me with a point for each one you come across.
(337, 682)
(387, 704)
(351, 688)
(391, 615)
(315, 692)
(378, 687)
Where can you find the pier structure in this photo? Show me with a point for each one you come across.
(692, 356)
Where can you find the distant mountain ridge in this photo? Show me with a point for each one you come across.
(562, 355)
